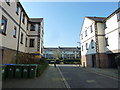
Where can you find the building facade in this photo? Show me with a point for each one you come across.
(62, 53)
(97, 37)
(18, 33)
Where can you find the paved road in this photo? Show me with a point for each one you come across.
(63, 76)
(76, 77)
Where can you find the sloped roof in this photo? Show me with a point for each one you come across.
(97, 19)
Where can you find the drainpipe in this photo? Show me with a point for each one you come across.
(18, 38)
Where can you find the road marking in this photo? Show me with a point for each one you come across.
(64, 80)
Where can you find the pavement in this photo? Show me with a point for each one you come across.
(109, 72)
(50, 78)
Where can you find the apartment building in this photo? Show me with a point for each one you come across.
(62, 53)
(18, 33)
(100, 40)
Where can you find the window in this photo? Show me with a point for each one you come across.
(85, 33)
(8, 2)
(118, 16)
(32, 28)
(23, 18)
(82, 47)
(32, 42)
(4, 25)
(86, 46)
(27, 25)
(21, 41)
(91, 29)
(92, 44)
(81, 36)
(106, 40)
(26, 42)
(17, 9)
(105, 26)
(14, 32)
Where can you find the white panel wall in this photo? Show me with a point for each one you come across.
(112, 33)
(90, 36)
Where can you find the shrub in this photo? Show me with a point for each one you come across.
(25, 58)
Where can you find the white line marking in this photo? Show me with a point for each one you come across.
(64, 80)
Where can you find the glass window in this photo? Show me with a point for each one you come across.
(85, 33)
(92, 43)
(82, 47)
(4, 25)
(17, 9)
(32, 28)
(81, 36)
(106, 40)
(14, 32)
(86, 46)
(21, 41)
(118, 16)
(91, 29)
(26, 42)
(23, 18)
(32, 42)
(105, 26)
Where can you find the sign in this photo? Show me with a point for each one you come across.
(37, 54)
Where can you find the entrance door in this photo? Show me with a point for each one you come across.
(93, 61)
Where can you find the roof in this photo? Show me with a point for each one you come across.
(35, 19)
(97, 19)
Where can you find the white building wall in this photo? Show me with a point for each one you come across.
(112, 34)
(90, 36)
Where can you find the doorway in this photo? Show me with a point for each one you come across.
(93, 61)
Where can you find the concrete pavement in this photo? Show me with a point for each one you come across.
(51, 78)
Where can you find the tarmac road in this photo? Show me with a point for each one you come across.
(76, 77)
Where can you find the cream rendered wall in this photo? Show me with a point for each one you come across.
(112, 33)
(41, 36)
(0, 23)
(11, 10)
(101, 37)
(86, 26)
(32, 49)
(34, 32)
(9, 41)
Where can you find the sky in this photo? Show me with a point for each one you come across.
(63, 20)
